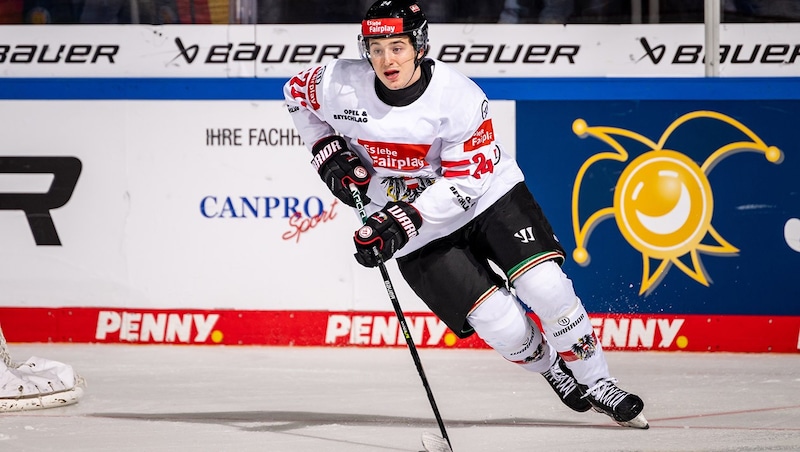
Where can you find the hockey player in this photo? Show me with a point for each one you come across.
(445, 199)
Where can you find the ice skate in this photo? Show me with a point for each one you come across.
(564, 384)
(622, 406)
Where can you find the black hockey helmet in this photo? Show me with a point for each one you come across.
(386, 18)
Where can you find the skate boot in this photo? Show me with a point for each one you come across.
(622, 406)
(564, 384)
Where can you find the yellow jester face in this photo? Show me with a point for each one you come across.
(664, 204)
(663, 201)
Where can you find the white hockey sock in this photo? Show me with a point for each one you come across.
(505, 326)
(549, 293)
(574, 339)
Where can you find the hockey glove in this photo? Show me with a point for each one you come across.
(387, 230)
(338, 166)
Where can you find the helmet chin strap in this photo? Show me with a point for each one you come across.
(416, 66)
(417, 61)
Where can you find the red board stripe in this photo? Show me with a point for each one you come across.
(639, 332)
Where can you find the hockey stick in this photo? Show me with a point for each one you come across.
(430, 442)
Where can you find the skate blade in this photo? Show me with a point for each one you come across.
(638, 422)
(435, 443)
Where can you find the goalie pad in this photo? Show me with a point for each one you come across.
(38, 383)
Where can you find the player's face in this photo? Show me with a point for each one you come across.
(393, 61)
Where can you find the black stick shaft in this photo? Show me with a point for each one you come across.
(401, 318)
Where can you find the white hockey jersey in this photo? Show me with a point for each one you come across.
(440, 152)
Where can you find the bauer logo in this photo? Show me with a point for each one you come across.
(159, 327)
(738, 54)
(58, 54)
(491, 53)
(231, 52)
(663, 200)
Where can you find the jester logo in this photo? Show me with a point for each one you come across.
(663, 203)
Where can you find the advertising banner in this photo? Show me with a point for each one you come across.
(478, 50)
(671, 207)
(192, 204)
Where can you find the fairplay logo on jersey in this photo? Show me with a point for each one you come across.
(386, 26)
(663, 202)
(483, 136)
(396, 156)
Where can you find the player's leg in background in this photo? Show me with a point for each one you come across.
(36, 383)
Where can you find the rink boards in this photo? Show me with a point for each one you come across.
(181, 208)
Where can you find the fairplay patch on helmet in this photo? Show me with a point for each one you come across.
(387, 26)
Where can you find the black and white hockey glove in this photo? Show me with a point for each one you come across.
(339, 166)
(387, 230)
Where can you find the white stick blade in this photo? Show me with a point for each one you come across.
(435, 443)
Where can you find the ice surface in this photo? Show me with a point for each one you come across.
(296, 399)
